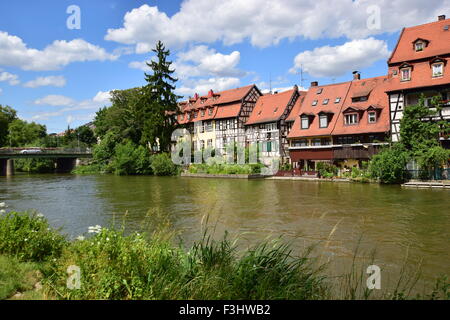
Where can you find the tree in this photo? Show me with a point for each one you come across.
(159, 102)
(7, 115)
(86, 135)
(22, 133)
(124, 118)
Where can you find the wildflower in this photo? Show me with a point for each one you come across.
(80, 238)
(96, 229)
(2, 211)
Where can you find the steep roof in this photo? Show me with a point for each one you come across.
(377, 101)
(270, 107)
(296, 108)
(438, 42)
(330, 92)
(214, 105)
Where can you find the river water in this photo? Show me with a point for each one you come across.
(411, 225)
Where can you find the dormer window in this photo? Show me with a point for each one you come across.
(438, 69)
(276, 109)
(405, 74)
(338, 99)
(326, 101)
(323, 121)
(210, 111)
(419, 46)
(195, 114)
(372, 116)
(314, 103)
(351, 119)
(305, 122)
(202, 113)
(319, 91)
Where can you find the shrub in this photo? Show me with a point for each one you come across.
(35, 165)
(29, 237)
(162, 165)
(327, 170)
(389, 166)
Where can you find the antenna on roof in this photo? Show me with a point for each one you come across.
(270, 82)
(301, 76)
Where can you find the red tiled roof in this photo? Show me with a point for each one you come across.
(439, 42)
(270, 107)
(377, 99)
(330, 92)
(296, 109)
(229, 100)
(421, 76)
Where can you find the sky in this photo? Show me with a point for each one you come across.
(60, 59)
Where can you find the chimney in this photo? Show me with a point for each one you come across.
(314, 84)
(211, 93)
(356, 75)
(196, 96)
(441, 17)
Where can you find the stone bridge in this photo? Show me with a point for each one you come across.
(65, 159)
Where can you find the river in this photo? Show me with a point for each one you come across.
(411, 224)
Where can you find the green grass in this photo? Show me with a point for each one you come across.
(16, 276)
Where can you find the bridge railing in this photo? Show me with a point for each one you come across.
(47, 150)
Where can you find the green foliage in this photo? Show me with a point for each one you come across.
(130, 159)
(16, 276)
(23, 133)
(223, 168)
(389, 165)
(88, 169)
(327, 170)
(104, 151)
(35, 165)
(7, 116)
(86, 135)
(162, 165)
(29, 237)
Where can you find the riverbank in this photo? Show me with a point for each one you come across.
(139, 266)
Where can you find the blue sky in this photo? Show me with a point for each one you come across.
(59, 76)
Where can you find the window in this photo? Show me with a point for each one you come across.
(406, 74)
(338, 99)
(360, 99)
(326, 101)
(305, 122)
(314, 103)
(195, 145)
(316, 142)
(300, 143)
(323, 121)
(208, 126)
(351, 119)
(319, 91)
(209, 143)
(210, 111)
(325, 141)
(372, 116)
(438, 69)
(189, 116)
(276, 109)
(269, 146)
(202, 144)
(202, 113)
(419, 46)
(195, 114)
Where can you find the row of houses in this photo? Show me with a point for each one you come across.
(343, 123)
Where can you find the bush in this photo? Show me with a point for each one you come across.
(35, 165)
(162, 165)
(29, 237)
(88, 169)
(389, 166)
(327, 170)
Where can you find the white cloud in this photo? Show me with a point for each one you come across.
(12, 79)
(335, 61)
(15, 53)
(55, 100)
(267, 22)
(103, 97)
(202, 86)
(70, 106)
(56, 81)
